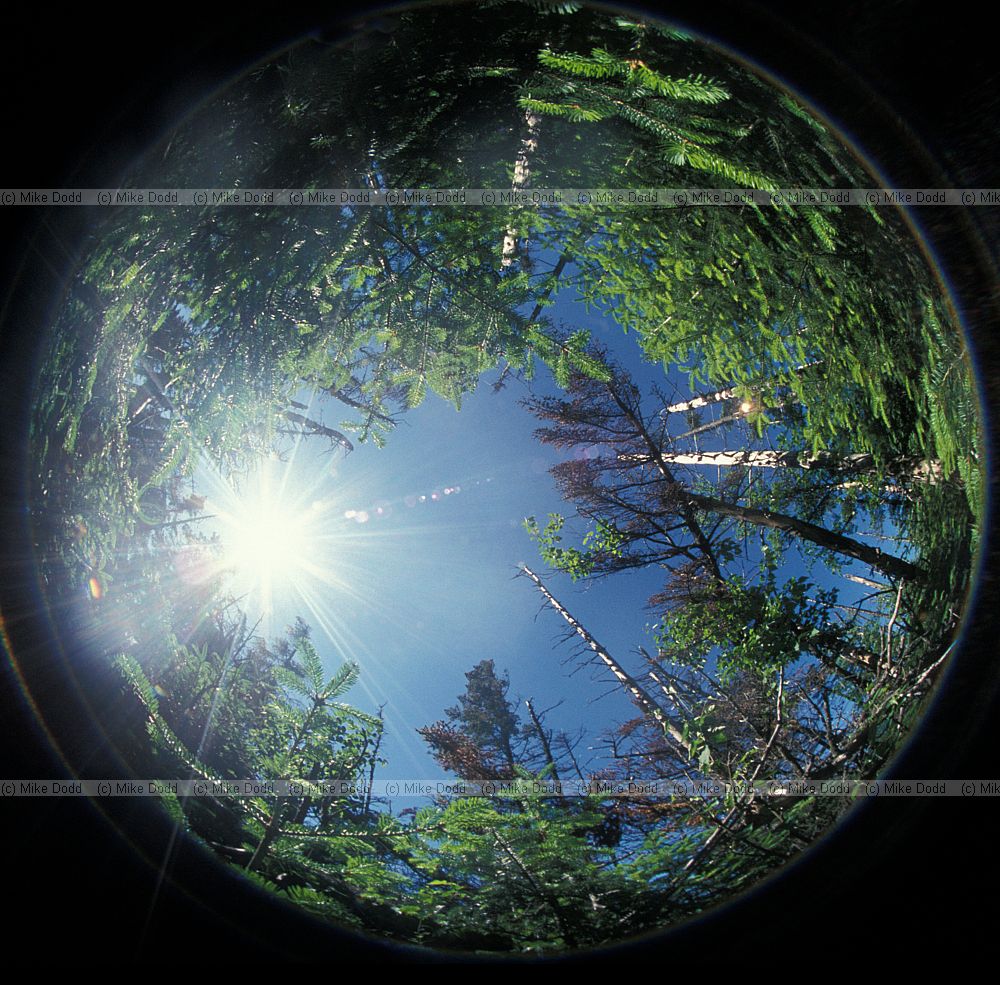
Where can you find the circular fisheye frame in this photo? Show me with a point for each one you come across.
(502, 480)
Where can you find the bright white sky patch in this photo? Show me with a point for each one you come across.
(273, 533)
(266, 538)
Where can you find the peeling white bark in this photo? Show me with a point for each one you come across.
(522, 177)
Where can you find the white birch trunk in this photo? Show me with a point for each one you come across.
(904, 468)
(522, 177)
(717, 396)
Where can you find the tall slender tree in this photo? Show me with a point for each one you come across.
(633, 489)
(855, 464)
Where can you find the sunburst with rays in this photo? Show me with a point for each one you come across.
(275, 535)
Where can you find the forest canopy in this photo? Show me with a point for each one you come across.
(755, 454)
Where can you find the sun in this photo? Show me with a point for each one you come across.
(267, 541)
(268, 537)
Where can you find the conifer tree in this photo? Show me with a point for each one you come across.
(645, 515)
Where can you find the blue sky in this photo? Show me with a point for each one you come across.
(423, 539)
(429, 586)
(420, 542)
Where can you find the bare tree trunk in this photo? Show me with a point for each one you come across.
(656, 454)
(522, 176)
(717, 396)
(865, 581)
(689, 501)
(543, 739)
(853, 655)
(310, 427)
(702, 428)
(635, 690)
(701, 400)
(889, 564)
(904, 467)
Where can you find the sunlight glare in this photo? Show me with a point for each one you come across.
(268, 541)
(268, 538)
